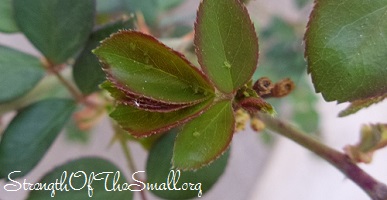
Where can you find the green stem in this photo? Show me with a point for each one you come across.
(74, 92)
(78, 96)
(130, 162)
(375, 189)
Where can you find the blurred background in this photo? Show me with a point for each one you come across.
(262, 165)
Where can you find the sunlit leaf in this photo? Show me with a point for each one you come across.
(19, 73)
(159, 167)
(31, 133)
(346, 49)
(7, 22)
(205, 138)
(226, 43)
(87, 169)
(139, 64)
(57, 28)
(87, 70)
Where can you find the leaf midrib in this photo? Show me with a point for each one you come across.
(159, 70)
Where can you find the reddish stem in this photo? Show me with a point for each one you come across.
(375, 189)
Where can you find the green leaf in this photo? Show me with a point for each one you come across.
(360, 104)
(87, 70)
(140, 102)
(19, 73)
(86, 169)
(226, 43)
(149, 9)
(346, 49)
(142, 123)
(281, 42)
(139, 64)
(7, 22)
(104, 6)
(57, 28)
(302, 3)
(205, 138)
(31, 133)
(304, 104)
(159, 167)
(168, 4)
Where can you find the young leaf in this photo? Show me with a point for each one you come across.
(19, 73)
(159, 166)
(87, 71)
(142, 103)
(85, 169)
(142, 123)
(226, 43)
(7, 22)
(360, 104)
(205, 138)
(346, 50)
(31, 133)
(139, 64)
(57, 28)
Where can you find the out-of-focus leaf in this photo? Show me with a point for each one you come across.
(88, 176)
(57, 28)
(205, 138)
(282, 52)
(226, 43)
(31, 133)
(74, 133)
(148, 8)
(346, 51)
(168, 4)
(87, 71)
(138, 64)
(360, 104)
(159, 168)
(304, 105)
(7, 22)
(373, 137)
(104, 6)
(302, 3)
(48, 87)
(19, 73)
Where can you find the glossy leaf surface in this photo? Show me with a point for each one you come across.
(31, 133)
(139, 64)
(142, 103)
(346, 49)
(87, 70)
(19, 73)
(159, 168)
(88, 171)
(226, 43)
(142, 123)
(57, 28)
(205, 138)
